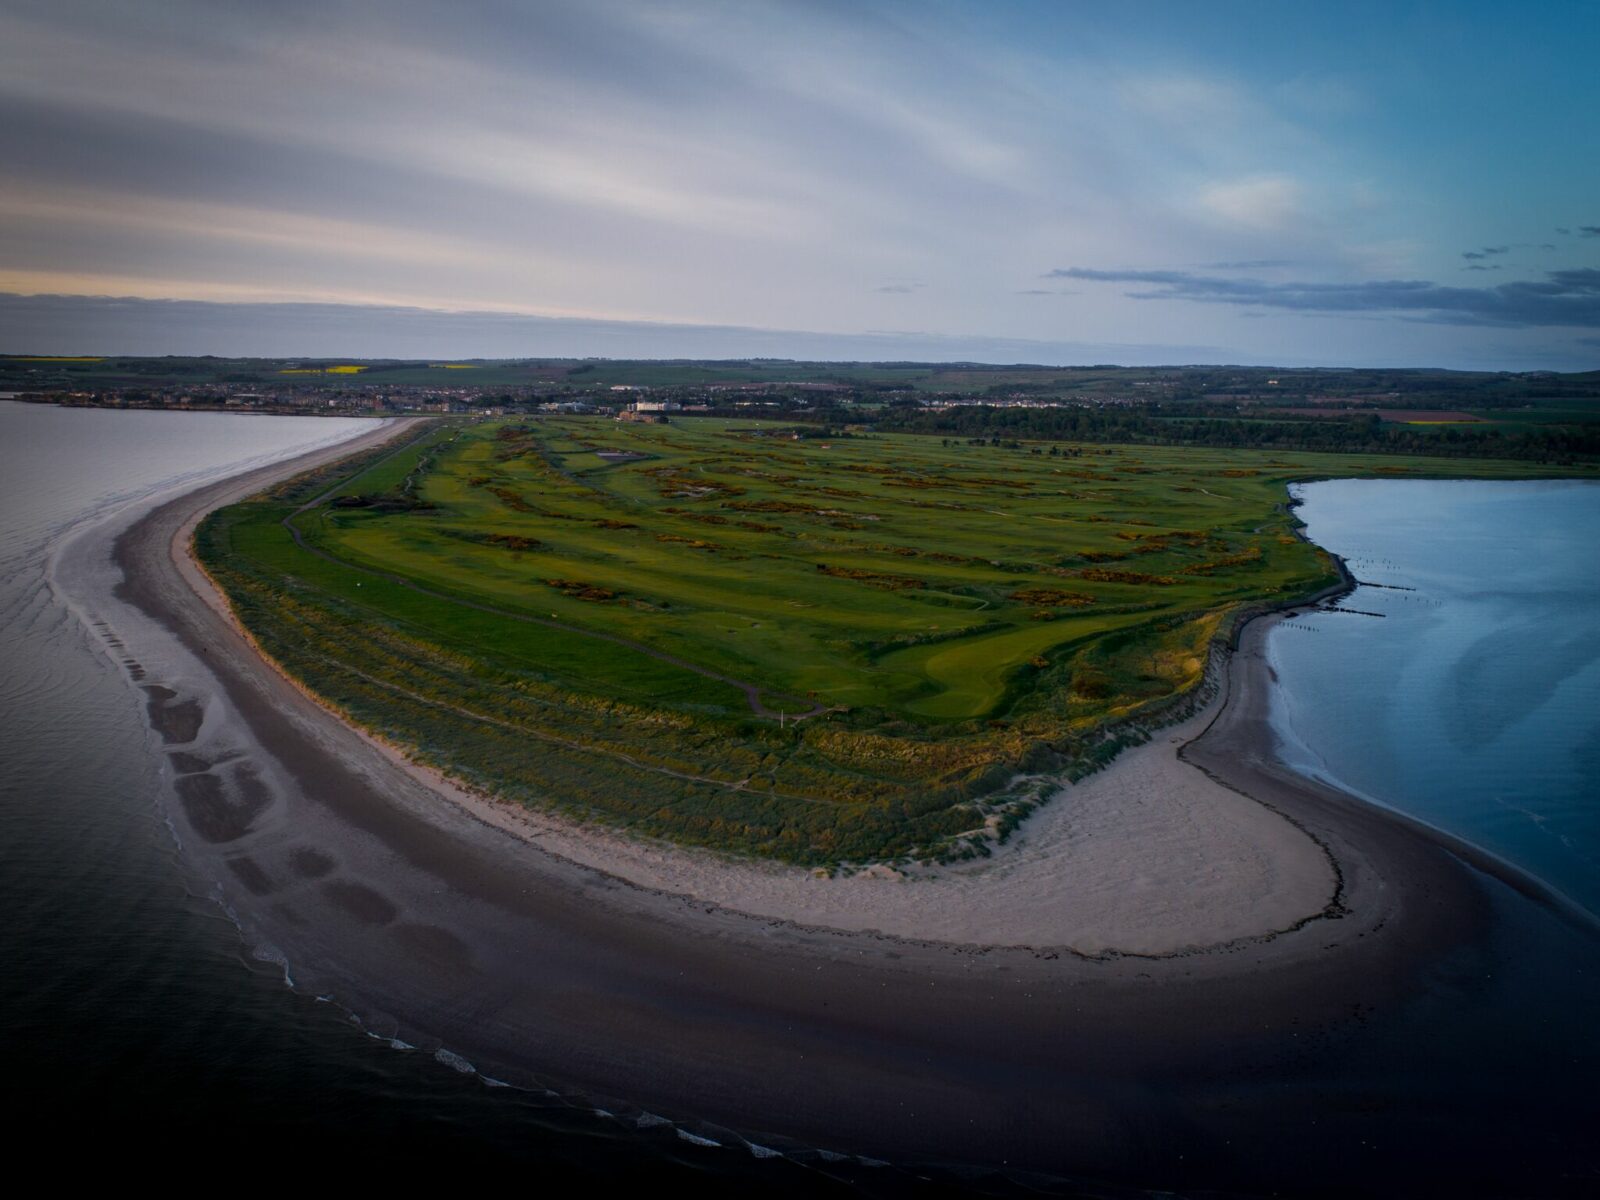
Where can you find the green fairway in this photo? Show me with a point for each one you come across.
(813, 648)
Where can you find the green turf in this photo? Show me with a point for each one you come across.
(580, 632)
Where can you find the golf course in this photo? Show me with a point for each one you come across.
(816, 646)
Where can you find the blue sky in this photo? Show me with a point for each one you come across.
(1396, 184)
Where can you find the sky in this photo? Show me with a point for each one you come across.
(1395, 184)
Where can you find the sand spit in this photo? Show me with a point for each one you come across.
(1150, 856)
(1187, 845)
(1103, 997)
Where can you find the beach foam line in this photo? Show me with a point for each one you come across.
(454, 1061)
(694, 1139)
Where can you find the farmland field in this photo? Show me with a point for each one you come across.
(816, 649)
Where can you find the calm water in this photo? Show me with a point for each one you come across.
(131, 1009)
(1474, 702)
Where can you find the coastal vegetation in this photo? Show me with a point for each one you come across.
(1560, 432)
(820, 649)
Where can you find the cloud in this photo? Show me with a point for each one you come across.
(1563, 298)
(1249, 264)
(582, 158)
(1481, 267)
(1264, 202)
(1589, 230)
(1486, 252)
(1578, 277)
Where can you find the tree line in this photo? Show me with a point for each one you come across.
(1151, 426)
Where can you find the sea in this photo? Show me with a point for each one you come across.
(137, 1020)
(1460, 682)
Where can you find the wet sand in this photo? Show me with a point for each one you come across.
(1180, 1065)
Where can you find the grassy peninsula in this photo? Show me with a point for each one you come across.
(816, 647)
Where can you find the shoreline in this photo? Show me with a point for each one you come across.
(433, 925)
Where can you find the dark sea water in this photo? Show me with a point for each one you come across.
(1473, 702)
(137, 1022)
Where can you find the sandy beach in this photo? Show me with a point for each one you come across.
(1194, 911)
(1150, 857)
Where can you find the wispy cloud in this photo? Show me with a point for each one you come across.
(1249, 264)
(671, 162)
(1271, 202)
(1562, 298)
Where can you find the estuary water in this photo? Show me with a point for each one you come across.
(1461, 683)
